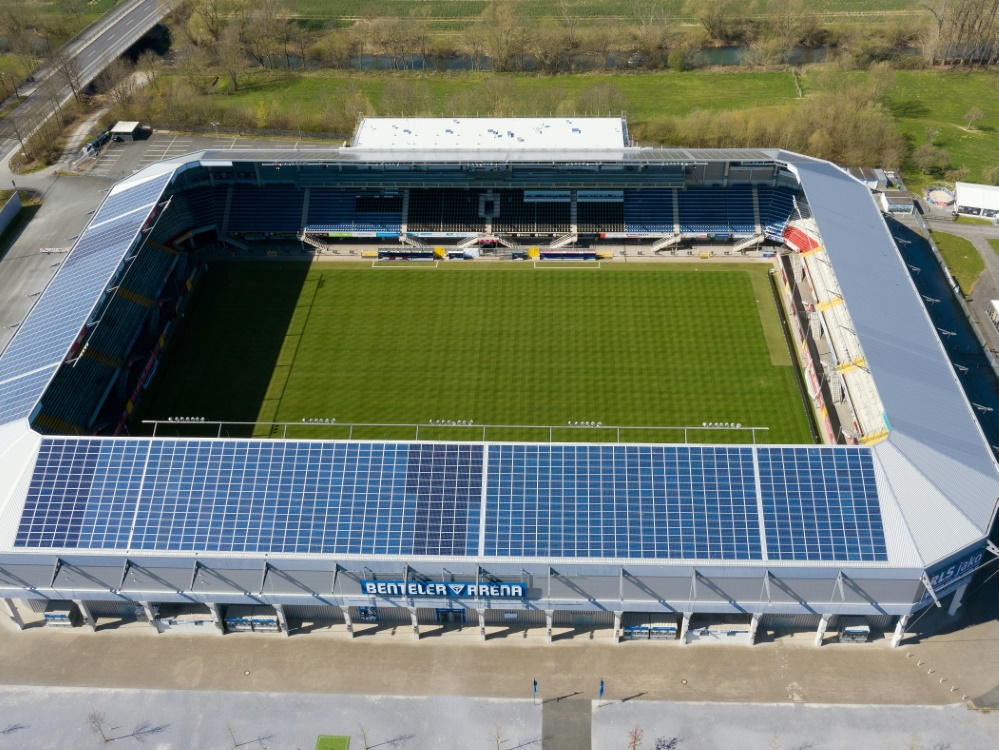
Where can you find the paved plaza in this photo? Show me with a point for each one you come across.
(34, 717)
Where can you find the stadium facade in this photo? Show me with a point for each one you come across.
(887, 514)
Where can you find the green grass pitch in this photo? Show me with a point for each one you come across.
(643, 344)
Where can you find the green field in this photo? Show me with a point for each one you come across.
(629, 345)
(627, 10)
(962, 259)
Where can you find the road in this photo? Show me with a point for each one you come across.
(91, 52)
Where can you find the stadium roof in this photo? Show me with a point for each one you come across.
(935, 478)
(491, 134)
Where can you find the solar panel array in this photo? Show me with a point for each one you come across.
(255, 496)
(622, 501)
(583, 501)
(821, 504)
(55, 321)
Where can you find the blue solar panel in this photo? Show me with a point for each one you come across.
(820, 504)
(19, 395)
(255, 496)
(132, 197)
(622, 501)
(56, 320)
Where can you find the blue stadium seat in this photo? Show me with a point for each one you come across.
(276, 208)
(336, 210)
(648, 211)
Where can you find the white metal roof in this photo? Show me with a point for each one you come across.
(125, 126)
(977, 196)
(491, 133)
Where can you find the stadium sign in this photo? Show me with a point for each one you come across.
(454, 590)
(947, 579)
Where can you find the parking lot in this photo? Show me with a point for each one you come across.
(120, 159)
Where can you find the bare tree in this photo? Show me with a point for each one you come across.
(210, 14)
(723, 20)
(974, 115)
(505, 35)
(148, 65)
(991, 175)
(68, 71)
(117, 81)
(929, 158)
(96, 720)
(635, 738)
(231, 55)
(497, 737)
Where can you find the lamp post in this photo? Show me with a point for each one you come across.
(216, 126)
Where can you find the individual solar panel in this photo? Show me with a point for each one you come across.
(130, 197)
(254, 496)
(821, 503)
(617, 501)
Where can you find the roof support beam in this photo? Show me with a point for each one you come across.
(766, 585)
(124, 573)
(263, 576)
(336, 570)
(194, 573)
(926, 582)
(55, 571)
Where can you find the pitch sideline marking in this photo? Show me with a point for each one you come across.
(402, 264)
(547, 265)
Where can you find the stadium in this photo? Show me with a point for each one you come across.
(533, 375)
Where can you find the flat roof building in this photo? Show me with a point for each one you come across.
(977, 200)
(491, 134)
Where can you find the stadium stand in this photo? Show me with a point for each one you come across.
(522, 217)
(594, 217)
(79, 390)
(739, 210)
(443, 210)
(776, 206)
(206, 210)
(798, 240)
(276, 208)
(649, 211)
(334, 210)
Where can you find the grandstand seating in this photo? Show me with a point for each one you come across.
(336, 210)
(207, 205)
(275, 208)
(523, 217)
(799, 240)
(596, 217)
(78, 390)
(776, 205)
(648, 211)
(739, 210)
(432, 210)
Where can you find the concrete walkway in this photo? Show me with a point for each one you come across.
(172, 720)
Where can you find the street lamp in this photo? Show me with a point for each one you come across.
(216, 126)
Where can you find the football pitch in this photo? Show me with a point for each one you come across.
(632, 345)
